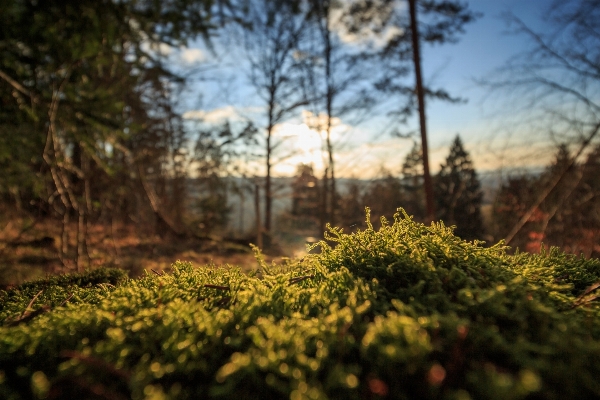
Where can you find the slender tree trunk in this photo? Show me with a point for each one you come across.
(430, 208)
(268, 189)
(259, 236)
(242, 203)
(324, 202)
(331, 187)
(329, 108)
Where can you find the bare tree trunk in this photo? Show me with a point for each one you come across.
(329, 108)
(330, 182)
(268, 189)
(259, 231)
(156, 206)
(430, 207)
(242, 204)
(64, 239)
(85, 211)
(52, 151)
(324, 201)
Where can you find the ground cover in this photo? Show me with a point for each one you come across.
(407, 311)
(29, 250)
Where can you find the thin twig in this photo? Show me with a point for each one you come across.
(217, 287)
(31, 303)
(18, 86)
(584, 297)
(68, 298)
(300, 279)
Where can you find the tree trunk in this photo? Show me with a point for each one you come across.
(329, 107)
(430, 208)
(259, 233)
(268, 190)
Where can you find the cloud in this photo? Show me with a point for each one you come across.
(213, 116)
(318, 123)
(162, 49)
(366, 36)
(192, 56)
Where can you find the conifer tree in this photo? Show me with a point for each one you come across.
(458, 194)
(412, 183)
(351, 208)
(384, 196)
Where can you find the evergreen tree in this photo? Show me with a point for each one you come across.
(351, 209)
(412, 183)
(305, 193)
(571, 208)
(511, 203)
(384, 196)
(430, 22)
(458, 194)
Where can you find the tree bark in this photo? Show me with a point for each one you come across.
(259, 233)
(430, 207)
(329, 108)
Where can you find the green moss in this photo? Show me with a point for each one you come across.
(408, 311)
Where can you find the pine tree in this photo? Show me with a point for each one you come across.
(305, 193)
(458, 194)
(384, 196)
(351, 208)
(412, 183)
(512, 201)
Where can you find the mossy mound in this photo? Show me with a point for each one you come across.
(404, 312)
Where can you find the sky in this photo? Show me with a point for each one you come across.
(363, 151)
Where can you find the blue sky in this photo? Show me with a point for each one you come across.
(484, 122)
(485, 47)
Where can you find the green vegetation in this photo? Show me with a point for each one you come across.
(408, 311)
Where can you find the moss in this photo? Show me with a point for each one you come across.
(407, 311)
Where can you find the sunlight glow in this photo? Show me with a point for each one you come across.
(302, 145)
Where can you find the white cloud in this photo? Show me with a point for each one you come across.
(192, 56)
(162, 49)
(213, 116)
(366, 36)
(318, 123)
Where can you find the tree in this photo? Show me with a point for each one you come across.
(441, 23)
(510, 204)
(568, 215)
(305, 199)
(352, 210)
(412, 183)
(384, 196)
(336, 81)
(586, 201)
(305, 196)
(274, 30)
(570, 210)
(458, 193)
(553, 83)
(84, 86)
(215, 156)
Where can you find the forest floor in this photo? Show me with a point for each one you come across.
(30, 250)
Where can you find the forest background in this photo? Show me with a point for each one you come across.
(123, 140)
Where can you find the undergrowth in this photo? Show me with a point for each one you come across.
(404, 312)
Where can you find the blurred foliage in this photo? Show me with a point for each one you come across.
(90, 128)
(568, 217)
(406, 311)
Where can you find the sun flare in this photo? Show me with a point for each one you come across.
(302, 146)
